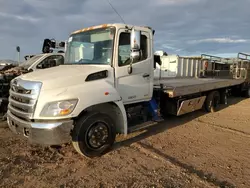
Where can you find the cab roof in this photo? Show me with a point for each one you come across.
(118, 25)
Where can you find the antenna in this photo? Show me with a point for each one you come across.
(115, 11)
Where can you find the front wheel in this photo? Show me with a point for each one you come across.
(93, 134)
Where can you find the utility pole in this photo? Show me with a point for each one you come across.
(18, 53)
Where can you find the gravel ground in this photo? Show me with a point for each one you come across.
(195, 150)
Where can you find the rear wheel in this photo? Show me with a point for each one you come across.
(212, 102)
(224, 97)
(93, 134)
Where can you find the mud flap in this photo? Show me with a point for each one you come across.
(191, 105)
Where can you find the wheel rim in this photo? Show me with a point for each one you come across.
(225, 98)
(97, 135)
(249, 92)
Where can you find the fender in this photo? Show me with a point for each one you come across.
(124, 115)
(88, 94)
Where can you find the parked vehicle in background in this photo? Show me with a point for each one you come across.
(107, 86)
(32, 63)
(42, 61)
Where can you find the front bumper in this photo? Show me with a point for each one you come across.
(44, 133)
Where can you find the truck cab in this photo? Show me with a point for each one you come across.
(109, 48)
(106, 68)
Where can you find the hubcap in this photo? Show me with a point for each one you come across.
(97, 135)
(225, 99)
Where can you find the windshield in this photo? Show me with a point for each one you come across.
(30, 61)
(90, 47)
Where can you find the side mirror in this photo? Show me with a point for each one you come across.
(135, 39)
(134, 55)
(135, 42)
(39, 66)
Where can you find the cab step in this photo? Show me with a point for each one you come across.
(141, 126)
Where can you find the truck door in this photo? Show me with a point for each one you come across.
(138, 85)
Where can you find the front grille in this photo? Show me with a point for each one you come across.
(20, 108)
(20, 99)
(23, 98)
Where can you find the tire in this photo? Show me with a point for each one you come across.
(224, 97)
(212, 101)
(87, 133)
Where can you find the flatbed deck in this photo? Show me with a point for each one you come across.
(176, 87)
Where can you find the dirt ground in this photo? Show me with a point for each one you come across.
(195, 150)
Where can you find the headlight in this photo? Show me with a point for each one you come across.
(59, 108)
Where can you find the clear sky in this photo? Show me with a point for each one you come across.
(184, 27)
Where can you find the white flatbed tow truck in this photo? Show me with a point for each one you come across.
(107, 86)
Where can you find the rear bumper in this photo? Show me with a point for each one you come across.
(44, 133)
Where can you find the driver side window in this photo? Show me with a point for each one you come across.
(124, 49)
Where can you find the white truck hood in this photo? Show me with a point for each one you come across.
(63, 75)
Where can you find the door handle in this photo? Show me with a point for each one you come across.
(145, 75)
